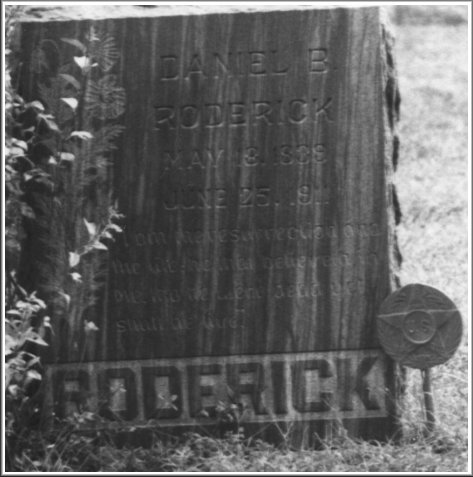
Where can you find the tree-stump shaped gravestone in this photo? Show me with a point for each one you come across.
(254, 172)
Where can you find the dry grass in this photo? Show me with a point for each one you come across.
(432, 182)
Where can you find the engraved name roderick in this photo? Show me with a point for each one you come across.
(271, 388)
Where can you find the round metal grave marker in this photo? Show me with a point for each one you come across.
(419, 326)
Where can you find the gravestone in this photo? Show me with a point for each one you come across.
(254, 172)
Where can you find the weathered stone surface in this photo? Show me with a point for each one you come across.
(255, 177)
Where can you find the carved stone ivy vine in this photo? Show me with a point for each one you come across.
(82, 100)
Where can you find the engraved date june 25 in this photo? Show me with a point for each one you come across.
(192, 198)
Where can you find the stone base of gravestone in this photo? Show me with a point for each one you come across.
(251, 152)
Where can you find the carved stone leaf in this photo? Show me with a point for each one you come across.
(83, 62)
(84, 135)
(104, 52)
(10, 344)
(74, 42)
(71, 102)
(32, 373)
(70, 80)
(74, 259)
(66, 156)
(103, 99)
(99, 245)
(39, 62)
(36, 105)
(91, 228)
(105, 138)
(51, 95)
(76, 277)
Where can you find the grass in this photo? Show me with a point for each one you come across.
(432, 182)
(432, 187)
(429, 15)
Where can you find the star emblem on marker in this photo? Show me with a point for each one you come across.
(419, 326)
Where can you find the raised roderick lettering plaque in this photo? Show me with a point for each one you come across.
(254, 173)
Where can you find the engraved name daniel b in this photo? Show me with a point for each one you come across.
(286, 387)
(238, 63)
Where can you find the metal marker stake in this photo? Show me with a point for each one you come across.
(420, 327)
(428, 400)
